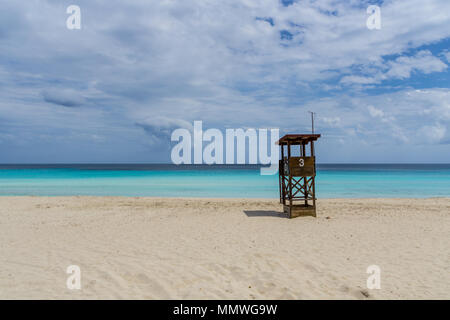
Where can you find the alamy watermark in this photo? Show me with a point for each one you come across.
(374, 20)
(74, 20)
(374, 280)
(74, 280)
(234, 143)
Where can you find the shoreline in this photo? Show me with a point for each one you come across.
(213, 248)
(217, 198)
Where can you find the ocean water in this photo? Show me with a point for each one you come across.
(332, 181)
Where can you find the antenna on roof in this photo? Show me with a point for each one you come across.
(312, 121)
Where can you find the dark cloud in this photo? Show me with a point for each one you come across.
(160, 128)
(63, 97)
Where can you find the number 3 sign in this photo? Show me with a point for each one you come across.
(301, 162)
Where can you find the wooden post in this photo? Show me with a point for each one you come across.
(279, 181)
(314, 194)
(281, 175)
(313, 181)
(305, 179)
(290, 178)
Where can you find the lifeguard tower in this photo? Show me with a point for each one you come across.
(297, 175)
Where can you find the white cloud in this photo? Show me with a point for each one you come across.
(358, 80)
(208, 43)
(446, 54)
(400, 68)
(332, 121)
(214, 61)
(432, 134)
(423, 61)
(375, 113)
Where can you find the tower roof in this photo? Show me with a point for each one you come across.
(294, 139)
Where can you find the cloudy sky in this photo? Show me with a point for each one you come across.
(114, 90)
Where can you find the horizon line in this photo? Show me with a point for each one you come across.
(201, 164)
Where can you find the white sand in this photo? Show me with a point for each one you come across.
(211, 249)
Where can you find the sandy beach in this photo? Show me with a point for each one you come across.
(152, 248)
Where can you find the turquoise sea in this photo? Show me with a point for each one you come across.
(164, 180)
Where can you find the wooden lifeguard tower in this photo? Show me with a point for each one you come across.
(297, 175)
